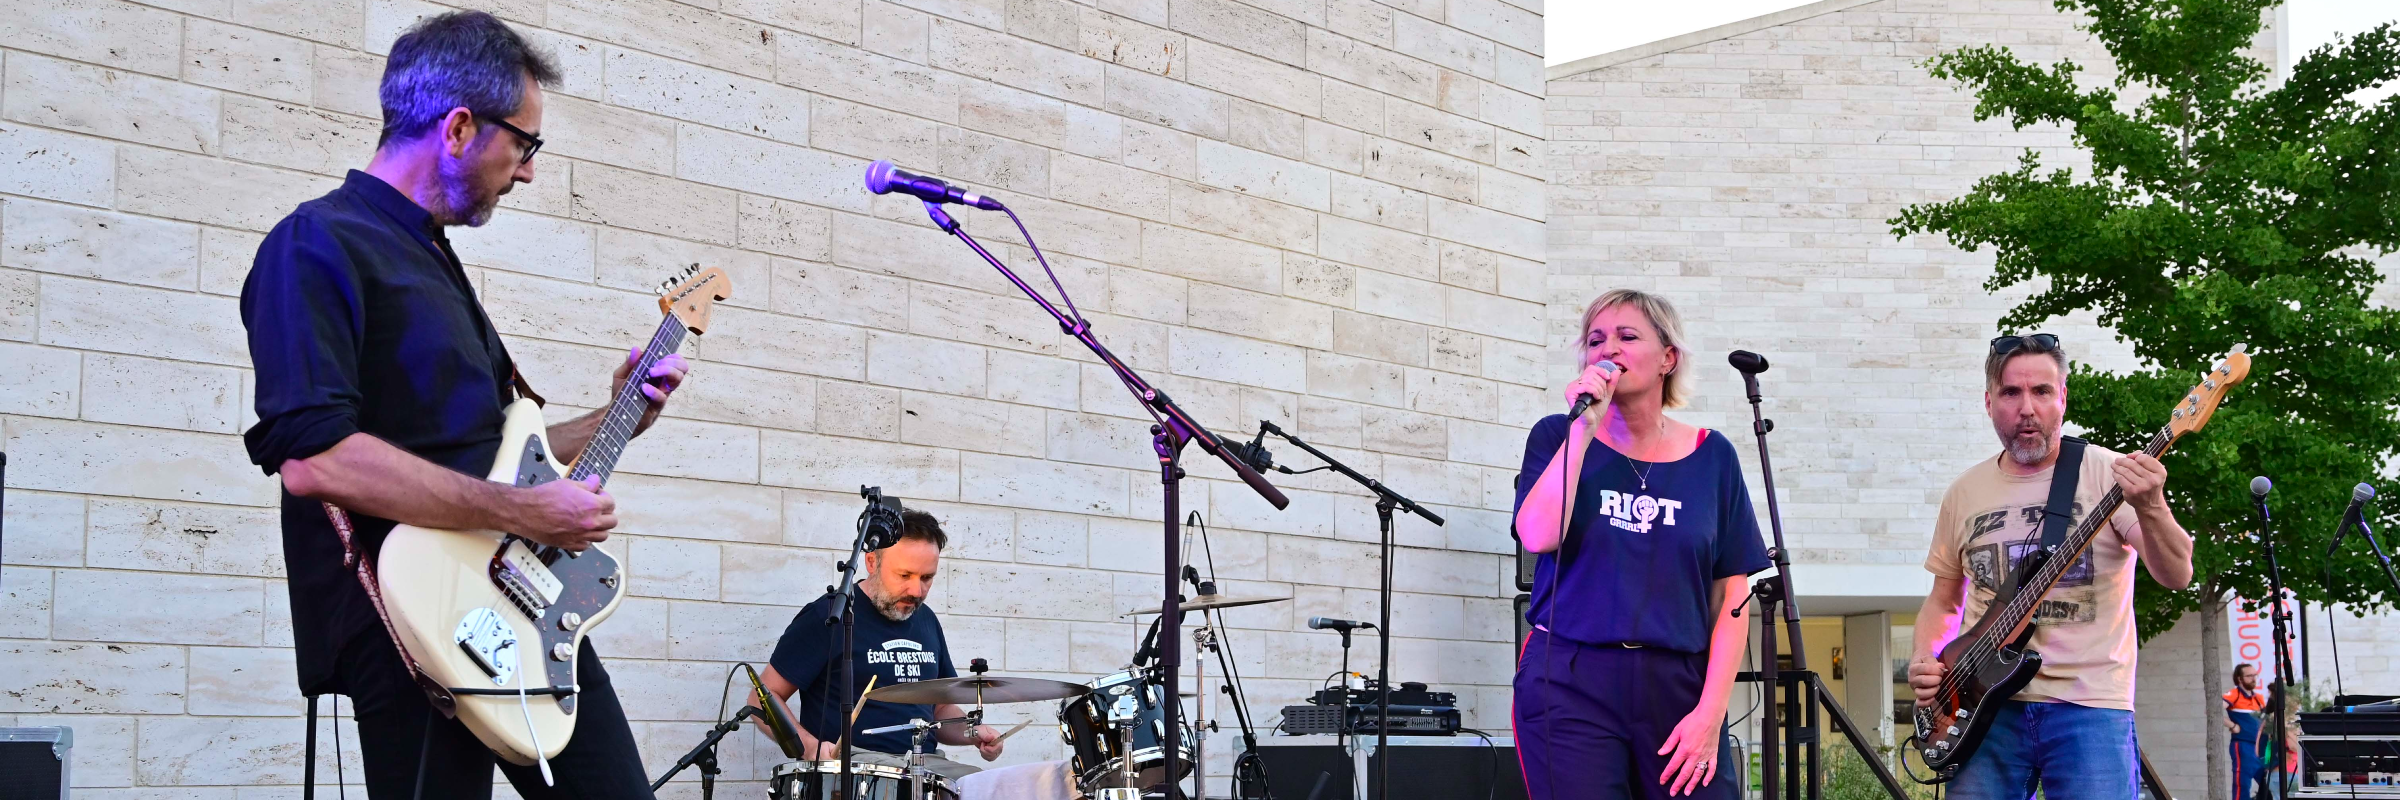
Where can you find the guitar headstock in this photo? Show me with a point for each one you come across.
(692, 293)
(2201, 402)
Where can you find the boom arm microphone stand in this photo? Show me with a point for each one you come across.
(878, 528)
(1386, 501)
(1806, 694)
(1175, 428)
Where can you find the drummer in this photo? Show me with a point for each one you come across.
(898, 640)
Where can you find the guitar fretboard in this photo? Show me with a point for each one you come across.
(600, 457)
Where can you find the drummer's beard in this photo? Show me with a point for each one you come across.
(893, 607)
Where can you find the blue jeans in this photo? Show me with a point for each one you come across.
(2072, 752)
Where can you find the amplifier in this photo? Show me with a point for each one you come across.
(1426, 768)
(33, 762)
(1366, 720)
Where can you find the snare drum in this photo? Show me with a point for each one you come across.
(1094, 727)
(815, 780)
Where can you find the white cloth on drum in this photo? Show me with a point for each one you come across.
(1040, 780)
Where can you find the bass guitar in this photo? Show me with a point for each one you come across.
(492, 620)
(1990, 662)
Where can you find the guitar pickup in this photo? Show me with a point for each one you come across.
(527, 581)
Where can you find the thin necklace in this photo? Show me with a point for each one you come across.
(1644, 474)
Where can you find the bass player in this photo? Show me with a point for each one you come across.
(381, 385)
(2071, 729)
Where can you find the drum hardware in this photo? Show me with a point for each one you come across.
(919, 730)
(816, 780)
(1120, 725)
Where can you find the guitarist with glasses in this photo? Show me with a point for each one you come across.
(2070, 731)
(381, 389)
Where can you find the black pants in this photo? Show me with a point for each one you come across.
(600, 762)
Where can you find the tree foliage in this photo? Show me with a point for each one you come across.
(2217, 209)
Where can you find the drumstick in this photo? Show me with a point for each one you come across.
(862, 706)
(1013, 731)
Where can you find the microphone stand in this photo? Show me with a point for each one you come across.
(1174, 428)
(1807, 694)
(844, 681)
(1386, 501)
(705, 756)
(2278, 694)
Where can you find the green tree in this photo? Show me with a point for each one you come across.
(2217, 209)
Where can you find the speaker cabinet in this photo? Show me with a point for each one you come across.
(1426, 768)
(33, 762)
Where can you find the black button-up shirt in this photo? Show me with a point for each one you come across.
(362, 321)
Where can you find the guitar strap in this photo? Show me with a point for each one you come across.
(2063, 479)
(364, 569)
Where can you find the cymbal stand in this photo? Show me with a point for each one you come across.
(1211, 636)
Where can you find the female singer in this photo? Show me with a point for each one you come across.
(1621, 688)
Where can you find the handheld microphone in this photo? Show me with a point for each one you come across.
(1585, 400)
(1748, 362)
(883, 178)
(2260, 486)
(2359, 495)
(1331, 624)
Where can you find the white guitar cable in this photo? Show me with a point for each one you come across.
(527, 707)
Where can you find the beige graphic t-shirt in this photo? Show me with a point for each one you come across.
(1990, 520)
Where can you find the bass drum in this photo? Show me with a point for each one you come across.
(1094, 727)
(815, 780)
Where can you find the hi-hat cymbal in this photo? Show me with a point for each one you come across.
(978, 689)
(1211, 601)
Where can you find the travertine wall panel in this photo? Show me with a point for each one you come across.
(1322, 212)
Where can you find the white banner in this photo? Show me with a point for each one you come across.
(2252, 635)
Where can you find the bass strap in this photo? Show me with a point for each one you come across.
(2064, 477)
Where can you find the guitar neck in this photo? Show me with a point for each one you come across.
(599, 458)
(2028, 598)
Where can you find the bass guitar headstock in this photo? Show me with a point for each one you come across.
(693, 293)
(2192, 413)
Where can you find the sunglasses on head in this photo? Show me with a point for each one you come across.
(2004, 345)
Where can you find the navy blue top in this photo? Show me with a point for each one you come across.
(898, 652)
(1637, 565)
(361, 320)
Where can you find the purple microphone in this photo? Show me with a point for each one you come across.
(883, 178)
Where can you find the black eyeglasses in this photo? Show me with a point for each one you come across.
(2004, 345)
(533, 144)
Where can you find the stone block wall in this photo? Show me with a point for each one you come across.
(1327, 213)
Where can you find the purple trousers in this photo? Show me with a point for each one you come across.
(1590, 719)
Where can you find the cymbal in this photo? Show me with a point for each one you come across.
(978, 689)
(1212, 601)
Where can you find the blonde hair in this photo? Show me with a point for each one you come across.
(1662, 317)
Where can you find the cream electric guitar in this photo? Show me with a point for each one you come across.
(494, 619)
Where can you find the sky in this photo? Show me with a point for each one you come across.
(1580, 28)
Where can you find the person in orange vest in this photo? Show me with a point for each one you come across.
(2243, 708)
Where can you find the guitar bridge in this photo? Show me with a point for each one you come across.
(522, 576)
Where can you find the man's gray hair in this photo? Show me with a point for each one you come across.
(459, 59)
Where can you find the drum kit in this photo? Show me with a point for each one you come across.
(1113, 727)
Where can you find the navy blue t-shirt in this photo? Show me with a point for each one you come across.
(1637, 565)
(898, 652)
